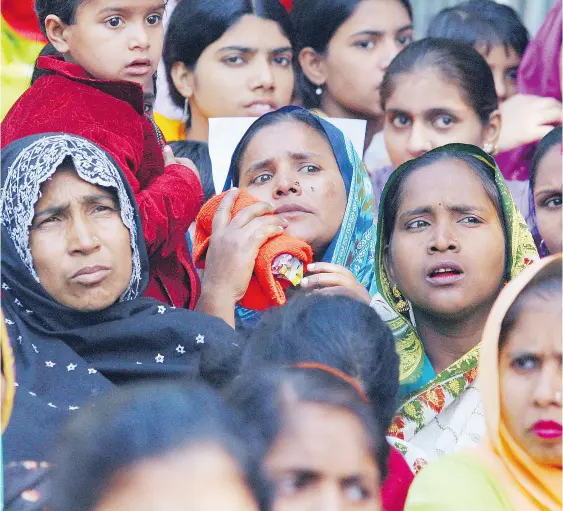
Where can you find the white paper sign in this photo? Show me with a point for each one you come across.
(225, 134)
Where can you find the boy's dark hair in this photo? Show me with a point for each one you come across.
(480, 22)
(136, 422)
(315, 22)
(459, 63)
(195, 24)
(64, 9)
(335, 331)
(266, 395)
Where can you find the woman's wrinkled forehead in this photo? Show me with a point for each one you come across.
(286, 137)
(54, 186)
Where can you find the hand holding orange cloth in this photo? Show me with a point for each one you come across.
(264, 290)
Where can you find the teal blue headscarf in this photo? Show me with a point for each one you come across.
(354, 244)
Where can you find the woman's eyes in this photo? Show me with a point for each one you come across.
(401, 121)
(238, 60)
(282, 61)
(365, 44)
(470, 220)
(416, 224)
(553, 202)
(234, 60)
(261, 179)
(309, 169)
(404, 40)
(526, 363)
(419, 224)
(50, 220)
(291, 485)
(100, 208)
(444, 121)
(356, 492)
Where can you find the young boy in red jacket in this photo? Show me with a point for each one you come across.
(110, 49)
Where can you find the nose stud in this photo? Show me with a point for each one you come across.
(96, 240)
(558, 398)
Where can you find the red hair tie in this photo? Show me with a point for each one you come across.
(335, 372)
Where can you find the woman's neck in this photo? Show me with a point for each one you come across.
(333, 109)
(199, 128)
(447, 339)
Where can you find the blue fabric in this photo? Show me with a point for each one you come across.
(354, 244)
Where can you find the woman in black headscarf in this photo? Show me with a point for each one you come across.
(74, 267)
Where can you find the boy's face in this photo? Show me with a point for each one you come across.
(504, 62)
(117, 39)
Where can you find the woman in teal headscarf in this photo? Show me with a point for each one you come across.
(449, 238)
(313, 185)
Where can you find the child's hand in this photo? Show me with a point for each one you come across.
(333, 279)
(527, 119)
(170, 159)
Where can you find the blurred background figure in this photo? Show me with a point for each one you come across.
(158, 446)
(21, 43)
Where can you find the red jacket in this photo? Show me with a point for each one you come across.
(111, 114)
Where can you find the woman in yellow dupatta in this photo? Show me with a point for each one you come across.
(449, 238)
(518, 466)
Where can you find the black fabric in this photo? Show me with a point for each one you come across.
(64, 357)
(198, 152)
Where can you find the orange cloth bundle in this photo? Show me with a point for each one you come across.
(264, 290)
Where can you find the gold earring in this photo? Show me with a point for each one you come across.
(402, 305)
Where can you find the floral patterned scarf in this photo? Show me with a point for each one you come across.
(424, 393)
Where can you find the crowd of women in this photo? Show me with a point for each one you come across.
(414, 363)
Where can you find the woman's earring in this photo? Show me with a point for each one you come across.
(186, 112)
(401, 304)
(318, 90)
(491, 149)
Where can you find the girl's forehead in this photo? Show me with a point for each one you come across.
(118, 6)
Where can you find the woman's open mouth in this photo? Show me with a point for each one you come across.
(445, 273)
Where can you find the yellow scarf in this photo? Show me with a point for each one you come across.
(531, 486)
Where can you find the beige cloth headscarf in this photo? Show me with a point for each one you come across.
(530, 486)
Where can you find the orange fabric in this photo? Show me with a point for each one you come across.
(264, 290)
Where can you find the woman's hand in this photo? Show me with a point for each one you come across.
(232, 252)
(527, 119)
(333, 279)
